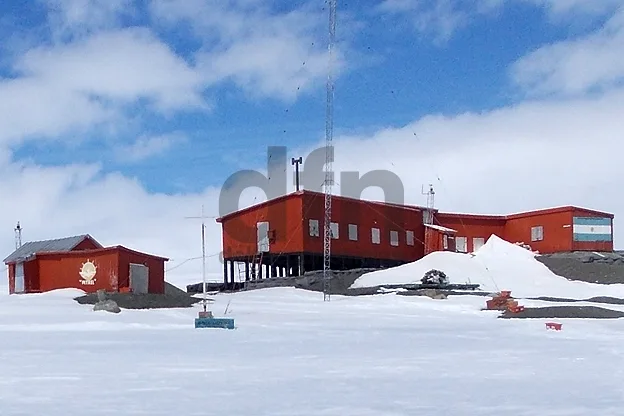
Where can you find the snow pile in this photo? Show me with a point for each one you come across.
(497, 265)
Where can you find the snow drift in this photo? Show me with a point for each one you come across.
(497, 265)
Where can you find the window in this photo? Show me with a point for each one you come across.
(314, 228)
(394, 238)
(353, 232)
(477, 243)
(537, 233)
(445, 242)
(409, 236)
(375, 236)
(461, 244)
(334, 230)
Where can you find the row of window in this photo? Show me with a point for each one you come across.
(352, 231)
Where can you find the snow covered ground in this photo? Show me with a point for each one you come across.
(498, 265)
(293, 354)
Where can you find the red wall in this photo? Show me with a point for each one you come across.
(472, 226)
(11, 278)
(557, 230)
(156, 270)
(366, 215)
(61, 270)
(240, 238)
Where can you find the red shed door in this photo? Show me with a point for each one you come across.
(139, 278)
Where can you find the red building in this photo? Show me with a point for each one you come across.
(81, 262)
(284, 236)
(547, 231)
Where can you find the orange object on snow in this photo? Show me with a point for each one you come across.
(554, 325)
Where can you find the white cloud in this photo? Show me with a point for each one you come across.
(122, 65)
(576, 66)
(72, 87)
(89, 80)
(439, 18)
(262, 52)
(443, 18)
(567, 8)
(68, 18)
(148, 146)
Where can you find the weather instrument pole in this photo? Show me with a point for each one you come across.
(203, 237)
(205, 318)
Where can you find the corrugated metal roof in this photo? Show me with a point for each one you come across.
(33, 247)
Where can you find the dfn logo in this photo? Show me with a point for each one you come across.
(312, 178)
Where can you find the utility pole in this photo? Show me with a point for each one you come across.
(296, 163)
(203, 237)
(329, 133)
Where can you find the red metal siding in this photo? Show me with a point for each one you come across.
(591, 245)
(61, 270)
(240, 238)
(11, 278)
(155, 265)
(31, 276)
(472, 226)
(557, 230)
(434, 241)
(365, 215)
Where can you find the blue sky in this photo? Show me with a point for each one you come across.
(121, 117)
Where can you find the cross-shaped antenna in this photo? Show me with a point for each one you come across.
(296, 163)
(203, 235)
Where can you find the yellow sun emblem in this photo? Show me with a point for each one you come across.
(88, 272)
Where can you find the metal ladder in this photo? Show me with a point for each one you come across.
(242, 277)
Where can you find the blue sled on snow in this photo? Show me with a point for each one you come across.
(206, 320)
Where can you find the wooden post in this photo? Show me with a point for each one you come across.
(288, 273)
(232, 273)
(225, 279)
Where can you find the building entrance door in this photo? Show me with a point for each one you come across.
(263, 237)
(139, 278)
(19, 278)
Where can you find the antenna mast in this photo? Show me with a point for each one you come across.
(329, 133)
(18, 236)
(430, 204)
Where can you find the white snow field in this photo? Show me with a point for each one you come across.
(293, 354)
(497, 265)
